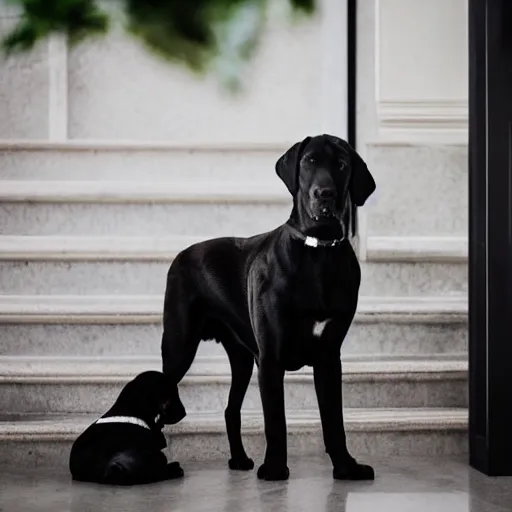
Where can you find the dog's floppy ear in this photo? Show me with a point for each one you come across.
(287, 167)
(362, 185)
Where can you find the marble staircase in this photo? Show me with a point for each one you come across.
(87, 232)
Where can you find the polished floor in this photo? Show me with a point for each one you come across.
(402, 485)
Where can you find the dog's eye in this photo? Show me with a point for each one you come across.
(311, 160)
(343, 165)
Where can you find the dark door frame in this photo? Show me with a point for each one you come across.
(490, 236)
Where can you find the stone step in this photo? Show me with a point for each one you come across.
(44, 441)
(129, 309)
(110, 339)
(149, 277)
(132, 208)
(136, 161)
(382, 249)
(437, 180)
(417, 249)
(138, 265)
(82, 385)
(134, 192)
(71, 325)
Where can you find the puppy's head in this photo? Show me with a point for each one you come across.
(324, 175)
(151, 396)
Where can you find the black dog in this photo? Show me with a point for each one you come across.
(284, 299)
(124, 446)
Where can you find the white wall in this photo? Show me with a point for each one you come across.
(113, 89)
(412, 120)
(421, 69)
(412, 62)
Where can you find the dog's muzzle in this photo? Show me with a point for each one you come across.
(323, 203)
(171, 414)
(323, 210)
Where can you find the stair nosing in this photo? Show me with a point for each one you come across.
(136, 192)
(417, 249)
(136, 309)
(66, 428)
(380, 249)
(94, 248)
(102, 370)
(136, 145)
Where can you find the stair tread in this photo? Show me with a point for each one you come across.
(80, 145)
(117, 191)
(119, 369)
(65, 248)
(41, 304)
(447, 249)
(67, 426)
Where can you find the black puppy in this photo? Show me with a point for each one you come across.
(124, 446)
(284, 299)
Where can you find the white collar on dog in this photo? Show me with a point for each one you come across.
(124, 419)
(312, 241)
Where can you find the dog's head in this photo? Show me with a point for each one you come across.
(151, 396)
(325, 175)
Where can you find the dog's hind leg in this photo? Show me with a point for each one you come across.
(242, 362)
(179, 347)
(182, 324)
(180, 341)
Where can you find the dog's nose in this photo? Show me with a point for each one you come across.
(324, 193)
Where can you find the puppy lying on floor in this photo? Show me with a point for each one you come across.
(124, 446)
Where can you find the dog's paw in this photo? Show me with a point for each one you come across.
(241, 464)
(270, 473)
(353, 471)
(174, 470)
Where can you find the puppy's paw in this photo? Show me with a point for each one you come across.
(273, 473)
(174, 470)
(241, 463)
(353, 471)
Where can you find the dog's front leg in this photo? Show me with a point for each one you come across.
(269, 333)
(271, 384)
(327, 377)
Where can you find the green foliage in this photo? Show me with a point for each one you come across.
(77, 18)
(198, 33)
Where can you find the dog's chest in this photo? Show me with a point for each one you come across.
(310, 338)
(318, 327)
(311, 330)
(323, 298)
(324, 281)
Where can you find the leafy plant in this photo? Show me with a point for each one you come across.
(198, 33)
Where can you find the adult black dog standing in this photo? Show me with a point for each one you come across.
(124, 446)
(283, 299)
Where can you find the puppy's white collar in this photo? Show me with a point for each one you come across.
(124, 419)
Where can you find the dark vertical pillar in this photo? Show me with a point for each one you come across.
(490, 236)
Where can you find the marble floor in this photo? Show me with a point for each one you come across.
(402, 485)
